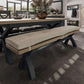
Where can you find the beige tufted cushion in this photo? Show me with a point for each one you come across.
(27, 40)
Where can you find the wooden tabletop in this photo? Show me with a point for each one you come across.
(28, 20)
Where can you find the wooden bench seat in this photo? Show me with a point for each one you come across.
(27, 43)
(29, 40)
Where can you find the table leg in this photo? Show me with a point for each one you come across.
(0, 45)
(8, 54)
(1, 31)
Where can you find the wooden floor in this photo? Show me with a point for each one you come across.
(58, 64)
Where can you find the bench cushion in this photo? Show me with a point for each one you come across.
(26, 40)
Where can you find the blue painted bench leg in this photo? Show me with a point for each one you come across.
(66, 42)
(73, 42)
(25, 62)
(29, 66)
(21, 65)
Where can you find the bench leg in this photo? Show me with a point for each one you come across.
(66, 42)
(29, 67)
(73, 42)
(21, 65)
(25, 61)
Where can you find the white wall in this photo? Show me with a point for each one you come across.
(65, 10)
(82, 17)
(72, 2)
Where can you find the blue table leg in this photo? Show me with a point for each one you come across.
(0, 45)
(1, 31)
(8, 54)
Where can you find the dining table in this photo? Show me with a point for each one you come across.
(9, 24)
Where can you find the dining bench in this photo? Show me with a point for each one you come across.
(30, 43)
